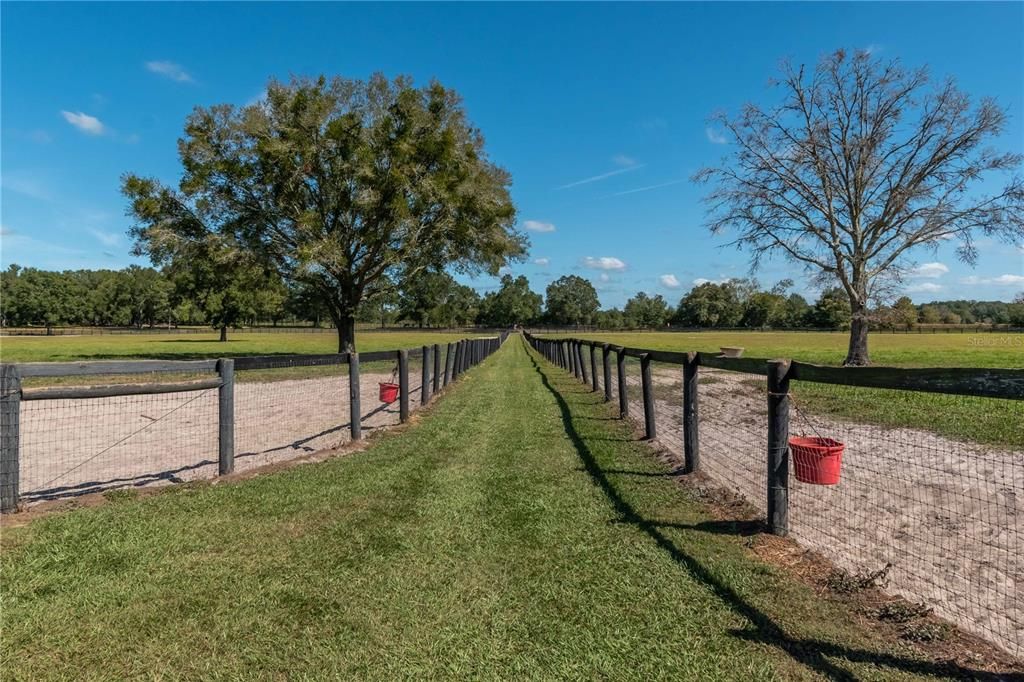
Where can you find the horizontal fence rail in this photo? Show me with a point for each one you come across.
(938, 516)
(65, 440)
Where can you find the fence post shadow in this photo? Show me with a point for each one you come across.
(808, 652)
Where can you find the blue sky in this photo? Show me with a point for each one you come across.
(598, 110)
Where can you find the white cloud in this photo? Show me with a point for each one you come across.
(669, 281)
(106, 238)
(538, 226)
(602, 176)
(604, 277)
(1001, 280)
(924, 288)
(649, 187)
(603, 263)
(930, 270)
(542, 261)
(504, 270)
(714, 137)
(623, 160)
(84, 122)
(703, 280)
(169, 70)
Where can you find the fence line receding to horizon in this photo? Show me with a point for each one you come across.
(939, 517)
(180, 420)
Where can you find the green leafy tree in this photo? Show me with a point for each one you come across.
(338, 183)
(831, 311)
(422, 296)
(765, 309)
(646, 312)
(460, 307)
(570, 300)
(513, 303)
(612, 318)
(904, 313)
(710, 305)
(857, 164)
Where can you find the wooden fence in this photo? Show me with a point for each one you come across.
(460, 356)
(569, 353)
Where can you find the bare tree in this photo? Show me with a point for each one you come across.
(861, 162)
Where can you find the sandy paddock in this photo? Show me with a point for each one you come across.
(947, 516)
(74, 447)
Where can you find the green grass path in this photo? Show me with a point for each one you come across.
(516, 532)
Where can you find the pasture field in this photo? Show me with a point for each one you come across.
(980, 420)
(995, 349)
(437, 553)
(144, 346)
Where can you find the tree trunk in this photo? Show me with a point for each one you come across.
(346, 333)
(223, 332)
(857, 355)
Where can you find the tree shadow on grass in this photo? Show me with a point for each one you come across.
(812, 653)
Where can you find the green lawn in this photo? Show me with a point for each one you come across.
(518, 531)
(829, 348)
(195, 346)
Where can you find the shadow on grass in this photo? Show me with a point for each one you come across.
(808, 652)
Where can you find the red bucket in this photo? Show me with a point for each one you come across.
(816, 460)
(388, 392)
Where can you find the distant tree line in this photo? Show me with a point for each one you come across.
(146, 297)
(743, 303)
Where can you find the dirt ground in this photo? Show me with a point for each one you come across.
(946, 517)
(76, 447)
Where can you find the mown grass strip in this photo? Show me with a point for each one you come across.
(517, 532)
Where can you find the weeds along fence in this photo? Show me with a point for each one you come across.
(63, 434)
(930, 498)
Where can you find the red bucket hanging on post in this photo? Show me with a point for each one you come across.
(388, 392)
(816, 460)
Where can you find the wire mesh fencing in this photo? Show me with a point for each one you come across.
(939, 516)
(929, 498)
(72, 447)
(71, 429)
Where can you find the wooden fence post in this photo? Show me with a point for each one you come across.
(355, 411)
(437, 367)
(403, 385)
(593, 367)
(778, 447)
(10, 437)
(606, 361)
(647, 385)
(425, 375)
(449, 364)
(620, 361)
(691, 441)
(580, 363)
(226, 416)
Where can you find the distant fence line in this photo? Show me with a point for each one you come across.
(436, 373)
(279, 329)
(916, 329)
(944, 516)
